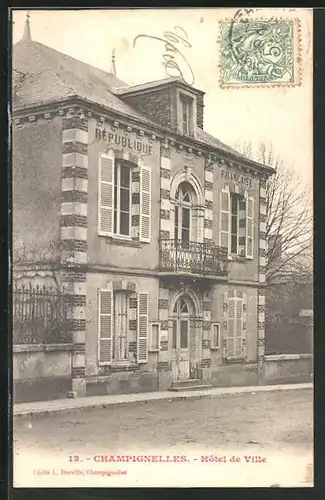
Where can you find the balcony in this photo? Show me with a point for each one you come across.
(193, 259)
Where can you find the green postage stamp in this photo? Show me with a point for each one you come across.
(259, 52)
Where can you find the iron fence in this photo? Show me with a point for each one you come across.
(40, 315)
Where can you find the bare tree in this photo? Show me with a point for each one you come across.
(37, 258)
(289, 237)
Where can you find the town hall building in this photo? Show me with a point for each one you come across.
(154, 228)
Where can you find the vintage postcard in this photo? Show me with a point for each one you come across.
(162, 247)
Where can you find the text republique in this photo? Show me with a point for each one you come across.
(125, 142)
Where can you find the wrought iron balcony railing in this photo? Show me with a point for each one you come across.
(193, 258)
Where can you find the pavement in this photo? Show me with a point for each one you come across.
(78, 404)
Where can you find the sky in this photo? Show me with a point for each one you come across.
(281, 117)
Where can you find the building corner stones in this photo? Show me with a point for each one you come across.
(262, 280)
(73, 222)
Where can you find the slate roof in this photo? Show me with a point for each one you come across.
(208, 139)
(48, 75)
(42, 74)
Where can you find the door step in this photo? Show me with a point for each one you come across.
(189, 385)
(191, 388)
(187, 382)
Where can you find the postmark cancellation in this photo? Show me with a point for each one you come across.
(260, 52)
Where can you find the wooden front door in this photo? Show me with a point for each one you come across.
(180, 342)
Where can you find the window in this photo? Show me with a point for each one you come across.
(120, 326)
(116, 203)
(215, 336)
(235, 346)
(180, 306)
(122, 200)
(186, 115)
(122, 319)
(154, 339)
(183, 213)
(236, 223)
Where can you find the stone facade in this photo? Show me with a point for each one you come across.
(139, 215)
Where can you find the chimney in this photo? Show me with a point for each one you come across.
(27, 35)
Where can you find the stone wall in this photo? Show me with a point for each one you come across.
(158, 105)
(36, 172)
(288, 368)
(41, 372)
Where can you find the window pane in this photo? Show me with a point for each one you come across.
(125, 200)
(125, 177)
(176, 223)
(186, 218)
(242, 204)
(174, 334)
(115, 196)
(234, 224)
(224, 240)
(124, 223)
(215, 336)
(183, 306)
(154, 336)
(115, 221)
(225, 202)
(185, 236)
(185, 110)
(184, 334)
(224, 222)
(186, 192)
(116, 171)
(233, 243)
(234, 205)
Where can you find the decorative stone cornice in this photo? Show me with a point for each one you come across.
(84, 108)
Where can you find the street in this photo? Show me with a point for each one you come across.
(264, 423)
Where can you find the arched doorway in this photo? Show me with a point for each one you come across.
(183, 310)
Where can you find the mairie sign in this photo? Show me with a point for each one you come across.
(125, 142)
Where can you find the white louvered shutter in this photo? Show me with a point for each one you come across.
(239, 328)
(145, 204)
(231, 334)
(143, 327)
(249, 227)
(242, 227)
(105, 326)
(106, 194)
(224, 218)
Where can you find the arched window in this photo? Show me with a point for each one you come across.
(183, 216)
(181, 306)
